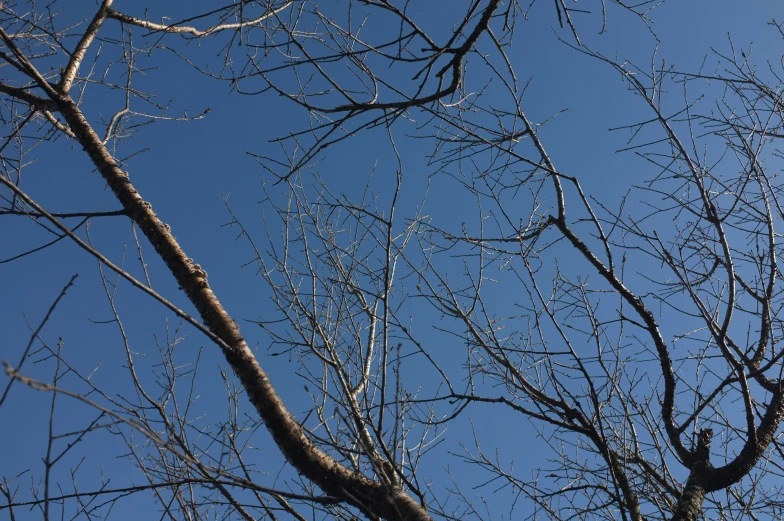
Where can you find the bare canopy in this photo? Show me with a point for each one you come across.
(633, 329)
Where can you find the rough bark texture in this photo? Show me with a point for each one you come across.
(374, 499)
(692, 497)
(753, 450)
(690, 503)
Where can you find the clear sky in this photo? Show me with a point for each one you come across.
(187, 169)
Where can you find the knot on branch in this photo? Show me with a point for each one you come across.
(702, 450)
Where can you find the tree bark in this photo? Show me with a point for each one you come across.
(373, 499)
(689, 505)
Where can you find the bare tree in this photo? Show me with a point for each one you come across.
(637, 337)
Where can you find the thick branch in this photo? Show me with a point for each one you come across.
(67, 79)
(668, 404)
(372, 498)
(723, 477)
(23, 95)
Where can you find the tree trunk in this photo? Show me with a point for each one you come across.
(689, 504)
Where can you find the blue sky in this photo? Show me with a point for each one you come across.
(187, 169)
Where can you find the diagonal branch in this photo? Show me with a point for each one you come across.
(372, 498)
(185, 29)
